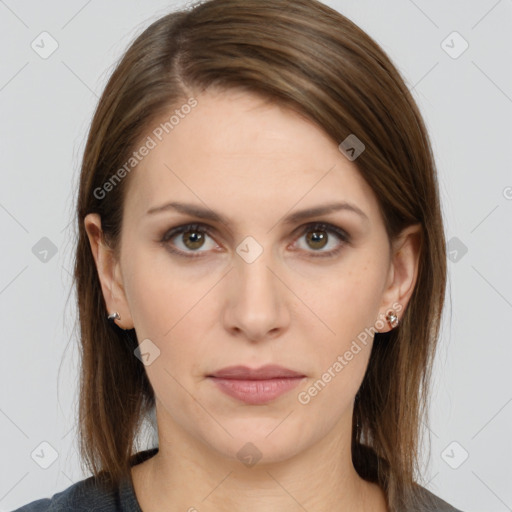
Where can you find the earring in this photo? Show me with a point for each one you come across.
(392, 319)
(112, 318)
(128, 333)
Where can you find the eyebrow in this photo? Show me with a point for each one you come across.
(207, 214)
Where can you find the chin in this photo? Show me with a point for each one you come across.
(257, 442)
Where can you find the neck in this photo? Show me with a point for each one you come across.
(186, 475)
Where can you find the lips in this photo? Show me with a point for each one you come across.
(266, 372)
(256, 386)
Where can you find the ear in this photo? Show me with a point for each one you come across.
(403, 272)
(109, 272)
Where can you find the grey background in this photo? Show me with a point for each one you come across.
(46, 107)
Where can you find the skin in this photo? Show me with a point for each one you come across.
(255, 163)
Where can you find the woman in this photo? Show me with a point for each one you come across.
(261, 263)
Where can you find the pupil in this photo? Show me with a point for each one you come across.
(195, 238)
(318, 237)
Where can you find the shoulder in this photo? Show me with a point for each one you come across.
(85, 495)
(433, 503)
(90, 495)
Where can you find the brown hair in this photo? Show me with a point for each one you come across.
(312, 59)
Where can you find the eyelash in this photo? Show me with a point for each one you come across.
(204, 229)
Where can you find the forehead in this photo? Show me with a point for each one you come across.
(239, 154)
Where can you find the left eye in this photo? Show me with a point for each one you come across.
(317, 236)
(194, 237)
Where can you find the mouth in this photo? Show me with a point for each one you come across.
(256, 386)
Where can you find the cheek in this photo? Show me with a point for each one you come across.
(169, 306)
(344, 301)
(160, 293)
(346, 310)
(343, 343)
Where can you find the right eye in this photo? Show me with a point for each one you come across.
(190, 238)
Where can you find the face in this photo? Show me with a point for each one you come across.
(253, 285)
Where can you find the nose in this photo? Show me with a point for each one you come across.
(257, 306)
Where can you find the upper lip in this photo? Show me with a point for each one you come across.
(269, 371)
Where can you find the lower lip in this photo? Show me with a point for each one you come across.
(256, 392)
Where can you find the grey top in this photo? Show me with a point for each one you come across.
(87, 496)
